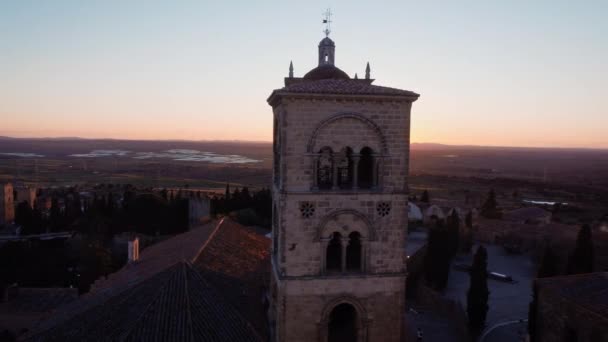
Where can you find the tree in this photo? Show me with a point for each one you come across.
(548, 264)
(425, 197)
(490, 207)
(453, 233)
(438, 258)
(227, 192)
(94, 261)
(581, 259)
(23, 214)
(55, 215)
(468, 221)
(477, 297)
(111, 204)
(245, 196)
(532, 308)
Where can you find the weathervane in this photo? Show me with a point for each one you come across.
(327, 22)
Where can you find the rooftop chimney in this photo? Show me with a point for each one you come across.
(133, 250)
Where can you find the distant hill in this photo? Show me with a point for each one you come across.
(415, 146)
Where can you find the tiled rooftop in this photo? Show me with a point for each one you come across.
(203, 285)
(589, 290)
(177, 304)
(341, 87)
(237, 260)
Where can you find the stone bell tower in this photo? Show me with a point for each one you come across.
(340, 187)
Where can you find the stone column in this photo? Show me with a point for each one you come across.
(376, 165)
(324, 243)
(344, 246)
(356, 157)
(315, 170)
(334, 174)
(364, 244)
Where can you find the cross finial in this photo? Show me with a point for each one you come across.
(367, 71)
(327, 22)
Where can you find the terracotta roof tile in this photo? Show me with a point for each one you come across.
(164, 297)
(177, 304)
(589, 290)
(237, 261)
(341, 87)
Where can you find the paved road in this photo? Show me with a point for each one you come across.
(508, 301)
(435, 328)
(513, 331)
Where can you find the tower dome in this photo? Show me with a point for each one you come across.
(324, 72)
(326, 68)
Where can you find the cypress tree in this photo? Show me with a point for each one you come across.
(227, 192)
(438, 258)
(55, 215)
(581, 259)
(490, 207)
(444, 259)
(425, 197)
(477, 297)
(111, 204)
(532, 314)
(468, 221)
(454, 233)
(548, 264)
(429, 257)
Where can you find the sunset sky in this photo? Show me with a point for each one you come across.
(510, 73)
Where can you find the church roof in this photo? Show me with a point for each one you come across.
(334, 86)
(237, 260)
(173, 293)
(177, 304)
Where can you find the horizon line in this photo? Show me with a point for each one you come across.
(270, 142)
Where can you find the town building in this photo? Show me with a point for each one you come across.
(340, 211)
(7, 204)
(572, 308)
(199, 209)
(25, 193)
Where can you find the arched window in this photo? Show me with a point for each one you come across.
(324, 168)
(353, 252)
(342, 326)
(345, 168)
(365, 171)
(333, 259)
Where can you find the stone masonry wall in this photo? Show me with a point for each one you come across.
(299, 118)
(305, 305)
(305, 293)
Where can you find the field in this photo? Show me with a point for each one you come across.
(450, 173)
(54, 162)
